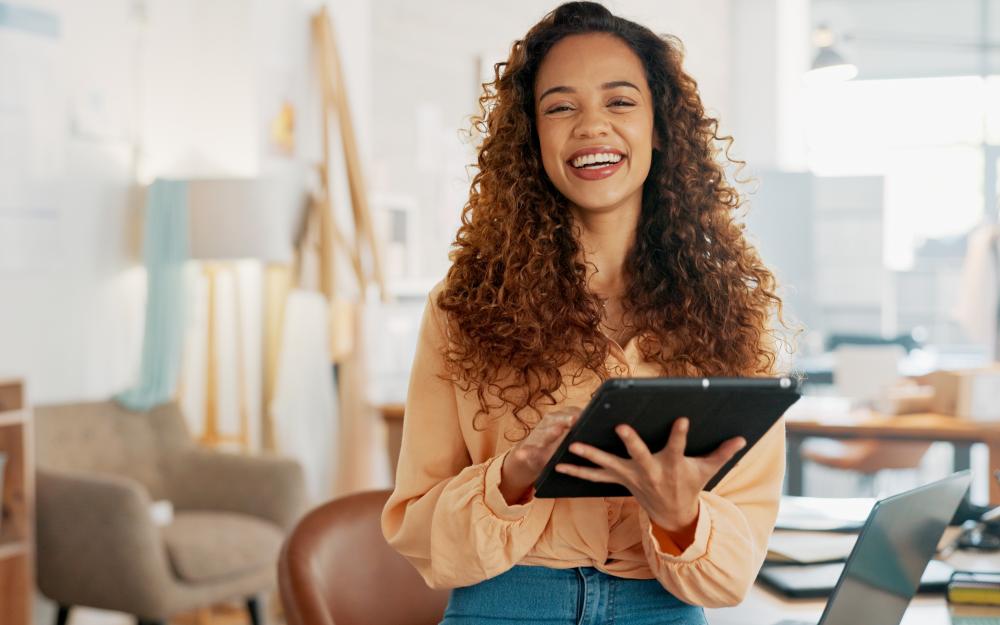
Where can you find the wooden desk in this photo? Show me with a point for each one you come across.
(764, 607)
(962, 433)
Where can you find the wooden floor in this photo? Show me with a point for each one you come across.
(229, 614)
(226, 614)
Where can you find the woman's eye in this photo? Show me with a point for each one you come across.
(625, 103)
(558, 109)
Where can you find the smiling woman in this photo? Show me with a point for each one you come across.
(599, 240)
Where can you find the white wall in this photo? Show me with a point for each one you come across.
(71, 313)
(769, 53)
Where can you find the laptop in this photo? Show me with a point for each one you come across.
(893, 549)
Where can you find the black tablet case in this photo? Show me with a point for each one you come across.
(718, 408)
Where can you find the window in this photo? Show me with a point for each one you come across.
(925, 136)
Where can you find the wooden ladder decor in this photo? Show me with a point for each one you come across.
(335, 103)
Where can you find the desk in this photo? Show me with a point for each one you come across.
(917, 427)
(764, 607)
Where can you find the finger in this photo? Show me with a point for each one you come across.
(636, 447)
(588, 473)
(677, 442)
(563, 411)
(725, 452)
(558, 420)
(550, 426)
(601, 458)
(550, 434)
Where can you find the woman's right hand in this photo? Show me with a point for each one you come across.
(528, 457)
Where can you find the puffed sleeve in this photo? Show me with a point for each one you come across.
(734, 524)
(446, 514)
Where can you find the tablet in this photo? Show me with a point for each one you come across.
(718, 409)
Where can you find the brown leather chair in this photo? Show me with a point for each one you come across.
(336, 569)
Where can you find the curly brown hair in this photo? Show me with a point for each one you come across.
(697, 294)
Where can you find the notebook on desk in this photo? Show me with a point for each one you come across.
(818, 580)
(809, 548)
(893, 549)
(823, 514)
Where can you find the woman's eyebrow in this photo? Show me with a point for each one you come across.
(618, 83)
(614, 84)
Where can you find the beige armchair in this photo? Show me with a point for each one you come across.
(101, 466)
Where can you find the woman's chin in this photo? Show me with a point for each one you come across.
(600, 204)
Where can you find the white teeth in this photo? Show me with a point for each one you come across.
(590, 159)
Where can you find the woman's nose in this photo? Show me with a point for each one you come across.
(591, 124)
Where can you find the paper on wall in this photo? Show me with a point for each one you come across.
(33, 128)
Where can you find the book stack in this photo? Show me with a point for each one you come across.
(974, 598)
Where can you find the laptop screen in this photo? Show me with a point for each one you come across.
(899, 539)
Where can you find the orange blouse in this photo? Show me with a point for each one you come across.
(449, 519)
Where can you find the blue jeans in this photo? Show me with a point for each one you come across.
(526, 595)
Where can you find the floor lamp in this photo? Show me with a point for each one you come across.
(240, 219)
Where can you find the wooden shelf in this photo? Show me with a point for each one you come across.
(13, 417)
(11, 548)
(11, 395)
(17, 506)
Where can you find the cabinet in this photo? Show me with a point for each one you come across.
(17, 519)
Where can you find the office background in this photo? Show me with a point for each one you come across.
(862, 194)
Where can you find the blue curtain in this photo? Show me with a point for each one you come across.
(166, 248)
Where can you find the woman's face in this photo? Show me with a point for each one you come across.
(595, 121)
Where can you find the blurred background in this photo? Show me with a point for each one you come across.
(318, 157)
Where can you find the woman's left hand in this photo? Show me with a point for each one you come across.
(666, 484)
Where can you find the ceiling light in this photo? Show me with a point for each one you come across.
(828, 66)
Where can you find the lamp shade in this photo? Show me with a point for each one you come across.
(245, 218)
(830, 66)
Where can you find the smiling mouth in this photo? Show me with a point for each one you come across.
(596, 161)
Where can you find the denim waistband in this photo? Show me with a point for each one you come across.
(576, 596)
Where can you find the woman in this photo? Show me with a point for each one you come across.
(599, 240)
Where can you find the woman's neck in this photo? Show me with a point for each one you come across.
(606, 238)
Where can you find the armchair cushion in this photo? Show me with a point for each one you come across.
(209, 546)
